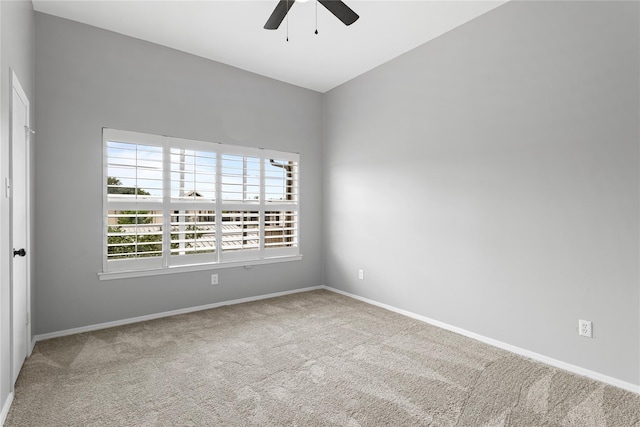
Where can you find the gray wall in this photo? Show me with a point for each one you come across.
(17, 53)
(489, 179)
(87, 78)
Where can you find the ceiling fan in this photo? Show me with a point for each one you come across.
(337, 7)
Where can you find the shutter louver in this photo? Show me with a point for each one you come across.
(281, 229)
(193, 232)
(281, 181)
(193, 175)
(240, 178)
(134, 171)
(134, 234)
(240, 230)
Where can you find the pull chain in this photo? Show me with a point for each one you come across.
(316, 16)
(288, 20)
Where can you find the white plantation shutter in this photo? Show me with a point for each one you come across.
(138, 234)
(134, 192)
(173, 202)
(281, 181)
(193, 176)
(193, 237)
(281, 185)
(240, 235)
(240, 178)
(281, 229)
(136, 167)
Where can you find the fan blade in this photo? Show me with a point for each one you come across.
(278, 14)
(340, 10)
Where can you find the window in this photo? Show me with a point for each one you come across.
(171, 202)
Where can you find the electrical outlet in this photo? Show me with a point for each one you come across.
(585, 328)
(214, 279)
(361, 274)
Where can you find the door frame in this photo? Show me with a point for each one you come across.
(16, 87)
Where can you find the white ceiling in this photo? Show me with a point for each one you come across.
(232, 32)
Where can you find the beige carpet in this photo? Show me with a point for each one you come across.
(309, 359)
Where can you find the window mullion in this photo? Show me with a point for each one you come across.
(105, 204)
(244, 179)
(218, 205)
(166, 202)
(261, 211)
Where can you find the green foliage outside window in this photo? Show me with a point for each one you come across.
(131, 245)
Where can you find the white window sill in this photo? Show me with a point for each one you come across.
(195, 267)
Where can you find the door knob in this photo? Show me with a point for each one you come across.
(20, 252)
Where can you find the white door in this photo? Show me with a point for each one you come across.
(20, 222)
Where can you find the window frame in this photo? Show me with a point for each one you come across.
(221, 256)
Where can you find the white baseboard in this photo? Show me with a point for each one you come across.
(42, 337)
(513, 349)
(5, 408)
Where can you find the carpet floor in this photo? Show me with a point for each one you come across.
(309, 359)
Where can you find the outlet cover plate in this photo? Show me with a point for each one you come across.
(585, 328)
